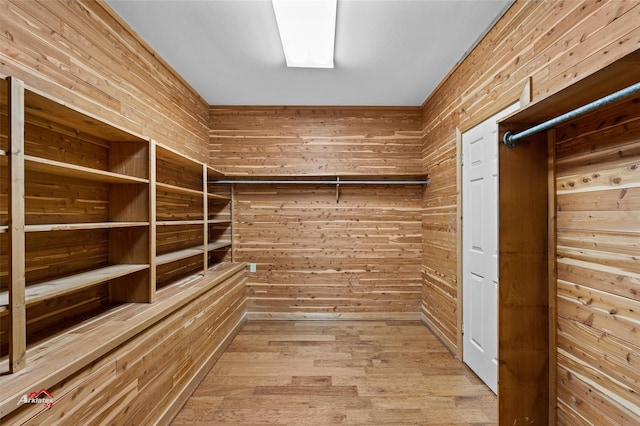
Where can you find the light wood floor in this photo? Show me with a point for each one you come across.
(349, 372)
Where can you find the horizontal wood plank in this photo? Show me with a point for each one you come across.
(79, 172)
(61, 286)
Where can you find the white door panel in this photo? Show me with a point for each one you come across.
(480, 248)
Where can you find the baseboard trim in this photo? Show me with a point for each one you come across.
(439, 335)
(334, 316)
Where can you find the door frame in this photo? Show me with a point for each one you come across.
(524, 99)
(487, 126)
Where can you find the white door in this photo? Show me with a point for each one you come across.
(480, 248)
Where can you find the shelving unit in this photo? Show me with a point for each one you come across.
(77, 191)
(179, 216)
(183, 238)
(99, 217)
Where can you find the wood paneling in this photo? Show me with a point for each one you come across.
(315, 258)
(598, 241)
(523, 300)
(103, 362)
(553, 43)
(346, 372)
(81, 53)
(359, 257)
(293, 141)
(146, 378)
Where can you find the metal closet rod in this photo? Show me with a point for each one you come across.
(425, 182)
(512, 139)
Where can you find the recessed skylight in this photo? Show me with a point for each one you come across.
(307, 31)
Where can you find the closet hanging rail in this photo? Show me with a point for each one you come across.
(425, 182)
(512, 139)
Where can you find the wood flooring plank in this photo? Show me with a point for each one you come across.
(339, 372)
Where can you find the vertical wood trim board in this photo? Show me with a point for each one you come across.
(523, 347)
(16, 222)
(551, 44)
(551, 271)
(457, 349)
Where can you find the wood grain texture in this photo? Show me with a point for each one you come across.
(598, 266)
(293, 141)
(347, 372)
(83, 54)
(317, 258)
(142, 360)
(553, 43)
(523, 299)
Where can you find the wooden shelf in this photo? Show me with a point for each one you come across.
(218, 245)
(3, 229)
(178, 189)
(3, 153)
(178, 255)
(179, 222)
(61, 286)
(214, 173)
(173, 156)
(49, 112)
(215, 221)
(43, 165)
(189, 252)
(80, 226)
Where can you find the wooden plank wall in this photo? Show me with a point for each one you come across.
(281, 141)
(598, 267)
(146, 380)
(554, 43)
(318, 258)
(81, 53)
(315, 258)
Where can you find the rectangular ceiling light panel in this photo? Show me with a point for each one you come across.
(307, 31)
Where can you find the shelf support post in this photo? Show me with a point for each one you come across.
(17, 280)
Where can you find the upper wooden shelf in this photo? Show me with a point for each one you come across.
(214, 174)
(61, 286)
(617, 76)
(44, 165)
(4, 229)
(49, 112)
(175, 157)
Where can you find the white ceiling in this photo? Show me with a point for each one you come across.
(387, 52)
